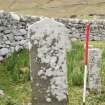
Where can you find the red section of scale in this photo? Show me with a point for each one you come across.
(87, 42)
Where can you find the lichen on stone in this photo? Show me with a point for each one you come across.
(51, 39)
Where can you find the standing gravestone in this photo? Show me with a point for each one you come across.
(49, 42)
(94, 69)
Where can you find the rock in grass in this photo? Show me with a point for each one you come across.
(4, 51)
(1, 58)
(29, 103)
(2, 93)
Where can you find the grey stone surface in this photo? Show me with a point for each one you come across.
(94, 69)
(23, 31)
(4, 51)
(50, 42)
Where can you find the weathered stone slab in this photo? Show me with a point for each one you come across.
(94, 69)
(49, 41)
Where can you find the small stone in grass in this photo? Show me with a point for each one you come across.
(1, 58)
(2, 93)
(48, 99)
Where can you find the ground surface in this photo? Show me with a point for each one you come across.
(54, 8)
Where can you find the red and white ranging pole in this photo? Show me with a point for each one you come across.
(86, 62)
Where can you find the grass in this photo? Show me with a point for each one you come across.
(13, 81)
(75, 68)
(88, 17)
(17, 65)
(75, 60)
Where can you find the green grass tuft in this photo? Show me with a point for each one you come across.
(15, 65)
(15, 79)
(75, 68)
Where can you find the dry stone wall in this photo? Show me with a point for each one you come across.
(13, 30)
(77, 28)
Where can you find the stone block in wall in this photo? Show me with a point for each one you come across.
(49, 42)
(94, 69)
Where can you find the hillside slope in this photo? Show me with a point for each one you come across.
(55, 8)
